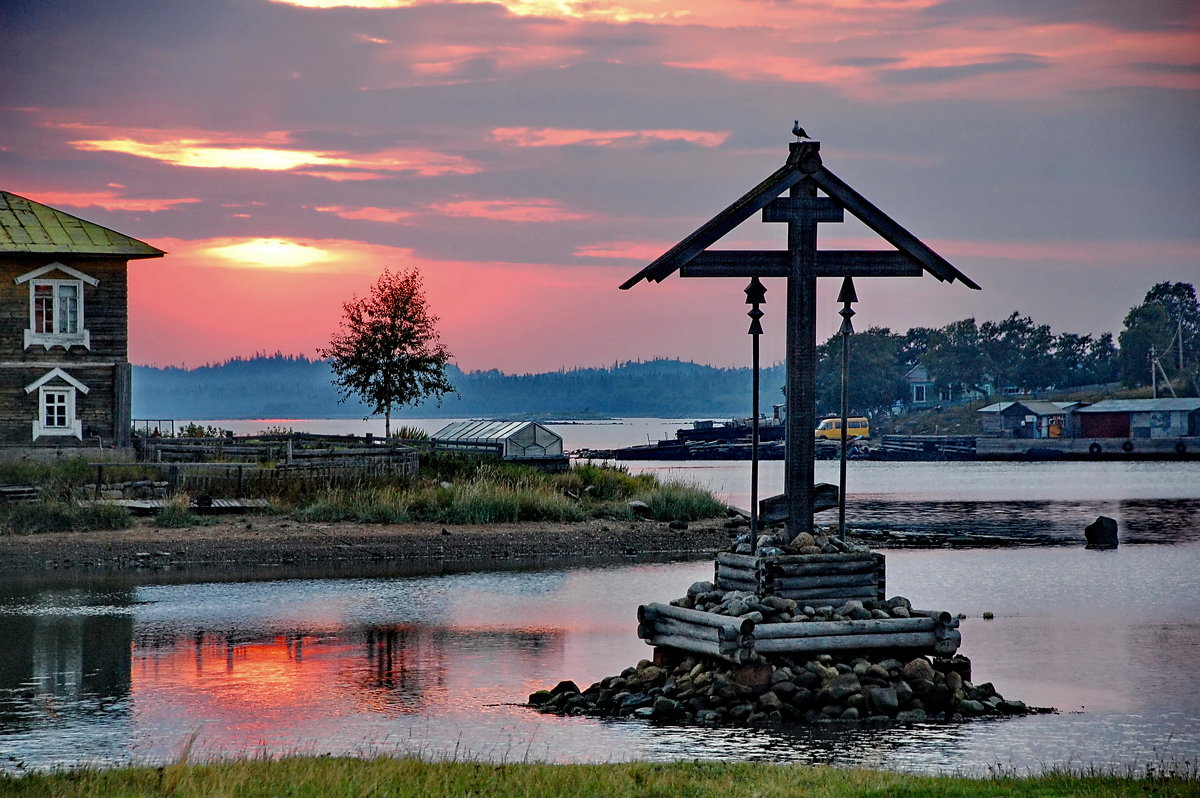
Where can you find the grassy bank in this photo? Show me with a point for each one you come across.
(326, 776)
(499, 493)
(447, 489)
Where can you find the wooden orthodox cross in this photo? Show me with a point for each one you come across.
(802, 263)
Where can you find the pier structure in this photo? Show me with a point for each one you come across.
(814, 195)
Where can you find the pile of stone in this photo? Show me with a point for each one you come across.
(706, 597)
(825, 688)
(775, 543)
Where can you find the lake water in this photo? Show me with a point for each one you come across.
(109, 670)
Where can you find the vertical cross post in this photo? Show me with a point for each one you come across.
(801, 359)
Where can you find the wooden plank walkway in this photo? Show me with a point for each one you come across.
(218, 506)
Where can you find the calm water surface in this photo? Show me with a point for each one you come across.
(108, 672)
(435, 665)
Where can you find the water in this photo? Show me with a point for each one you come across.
(110, 671)
(434, 666)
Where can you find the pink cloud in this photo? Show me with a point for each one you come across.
(562, 137)
(510, 210)
(366, 213)
(109, 200)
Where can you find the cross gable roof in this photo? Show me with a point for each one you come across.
(803, 164)
(28, 227)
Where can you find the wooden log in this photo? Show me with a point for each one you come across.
(764, 631)
(940, 616)
(820, 568)
(728, 633)
(738, 560)
(816, 582)
(838, 595)
(648, 613)
(737, 584)
(904, 640)
(738, 656)
(807, 559)
(731, 572)
(737, 576)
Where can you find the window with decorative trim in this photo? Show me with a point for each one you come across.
(56, 414)
(56, 307)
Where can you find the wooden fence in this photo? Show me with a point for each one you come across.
(233, 468)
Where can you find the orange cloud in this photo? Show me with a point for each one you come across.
(366, 213)
(510, 210)
(109, 200)
(563, 137)
(270, 151)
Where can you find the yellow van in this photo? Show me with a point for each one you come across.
(831, 428)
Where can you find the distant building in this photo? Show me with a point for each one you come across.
(923, 390)
(518, 441)
(64, 340)
(1026, 419)
(1140, 418)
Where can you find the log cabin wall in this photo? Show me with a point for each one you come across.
(102, 366)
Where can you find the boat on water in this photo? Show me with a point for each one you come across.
(725, 440)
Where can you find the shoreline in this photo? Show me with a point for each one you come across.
(274, 547)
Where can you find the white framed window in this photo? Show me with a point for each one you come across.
(918, 393)
(56, 307)
(56, 414)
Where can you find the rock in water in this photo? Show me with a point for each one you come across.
(1101, 533)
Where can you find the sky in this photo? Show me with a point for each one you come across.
(529, 156)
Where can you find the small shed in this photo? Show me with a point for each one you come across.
(1141, 418)
(521, 441)
(1024, 419)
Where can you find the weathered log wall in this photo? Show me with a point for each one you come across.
(741, 640)
(815, 579)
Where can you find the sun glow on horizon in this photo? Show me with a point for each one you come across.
(271, 253)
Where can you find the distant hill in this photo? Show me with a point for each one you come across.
(283, 386)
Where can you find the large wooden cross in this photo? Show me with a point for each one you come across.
(802, 176)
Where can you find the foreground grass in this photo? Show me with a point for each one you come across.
(328, 776)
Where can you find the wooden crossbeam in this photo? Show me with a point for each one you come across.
(830, 263)
(812, 209)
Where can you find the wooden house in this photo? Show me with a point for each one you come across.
(64, 341)
(923, 390)
(1025, 419)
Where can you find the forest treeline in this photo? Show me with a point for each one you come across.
(285, 386)
(1161, 337)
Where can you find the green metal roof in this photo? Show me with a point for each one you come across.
(29, 227)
